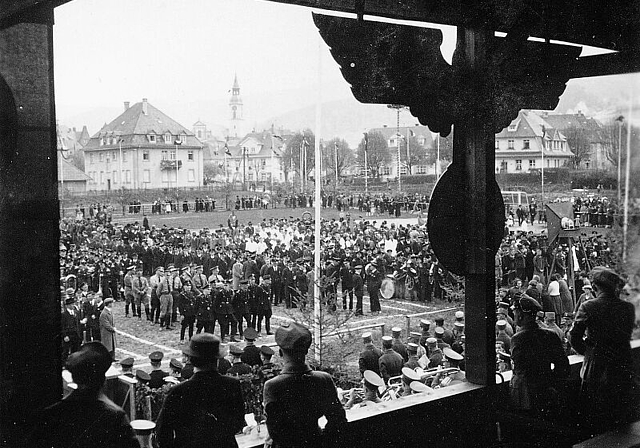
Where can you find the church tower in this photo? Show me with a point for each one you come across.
(236, 120)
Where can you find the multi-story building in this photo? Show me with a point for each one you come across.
(528, 143)
(255, 157)
(397, 136)
(143, 148)
(586, 131)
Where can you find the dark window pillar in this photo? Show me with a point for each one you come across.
(29, 268)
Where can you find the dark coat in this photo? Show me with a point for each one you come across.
(65, 424)
(207, 410)
(391, 364)
(251, 356)
(369, 358)
(295, 400)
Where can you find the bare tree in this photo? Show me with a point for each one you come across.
(344, 155)
(614, 138)
(291, 156)
(377, 151)
(579, 144)
(414, 154)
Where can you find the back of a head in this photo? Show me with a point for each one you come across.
(89, 364)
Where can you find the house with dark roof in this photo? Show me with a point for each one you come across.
(587, 129)
(396, 136)
(529, 143)
(143, 148)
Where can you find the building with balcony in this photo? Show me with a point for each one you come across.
(528, 143)
(143, 148)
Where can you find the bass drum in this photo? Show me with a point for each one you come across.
(387, 288)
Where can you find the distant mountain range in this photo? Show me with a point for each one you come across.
(342, 115)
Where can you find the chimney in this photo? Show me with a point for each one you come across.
(384, 125)
(145, 105)
(126, 105)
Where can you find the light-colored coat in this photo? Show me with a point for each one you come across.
(107, 329)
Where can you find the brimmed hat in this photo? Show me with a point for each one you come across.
(235, 350)
(203, 346)
(293, 336)
(250, 334)
(91, 361)
(606, 277)
(451, 354)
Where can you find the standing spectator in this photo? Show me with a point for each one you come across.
(566, 297)
(535, 387)
(86, 417)
(207, 410)
(298, 397)
(601, 332)
(71, 336)
(555, 303)
(108, 328)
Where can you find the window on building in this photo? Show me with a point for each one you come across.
(422, 141)
(190, 156)
(91, 158)
(172, 154)
(152, 138)
(532, 163)
(503, 166)
(101, 157)
(114, 156)
(128, 176)
(114, 177)
(510, 144)
(421, 169)
(514, 126)
(165, 155)
(199, 133)
(165, 176)
(525, 144)
(403, 170)
(392, 142)
(167, 138)
(518, 165)
(587, 164)
(124, 156)
(101, 141)
(145, 155)
(146, 176)
(191, 175)
(101, 177)
(385, 171)
(497, 145)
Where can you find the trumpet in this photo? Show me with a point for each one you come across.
(69, 281)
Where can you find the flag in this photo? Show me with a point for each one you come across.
(278, 137)
(366, 141)
(226, 150)
(411, 133)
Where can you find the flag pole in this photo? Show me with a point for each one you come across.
(316, 246)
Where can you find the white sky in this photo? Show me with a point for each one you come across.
(115, 50)
(172, 52)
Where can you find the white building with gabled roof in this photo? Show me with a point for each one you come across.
(143, 148)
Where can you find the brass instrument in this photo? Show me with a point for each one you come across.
(69, 281)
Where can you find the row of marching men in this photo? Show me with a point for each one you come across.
(427, 361)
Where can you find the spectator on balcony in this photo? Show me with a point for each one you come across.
(601, 332)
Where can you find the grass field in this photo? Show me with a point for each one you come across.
(138, 338)
(192, 220)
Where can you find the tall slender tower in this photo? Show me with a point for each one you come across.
(236, 125)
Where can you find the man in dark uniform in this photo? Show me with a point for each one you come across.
(205, 313)
(157, 374)
(447, 336)
(263, 294)
(207, 410)
(298, 397)
(251, 355)
(224, 311)
(398, 346)
(240, 307)
(439, 332)
(268, 369)
(390, 362)
(237, 366)
(127, 367)
(358, 288)
(412, 350)
(70, 325)
(374, 280)
(369, 356)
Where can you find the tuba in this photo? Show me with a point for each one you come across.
(69, 281)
